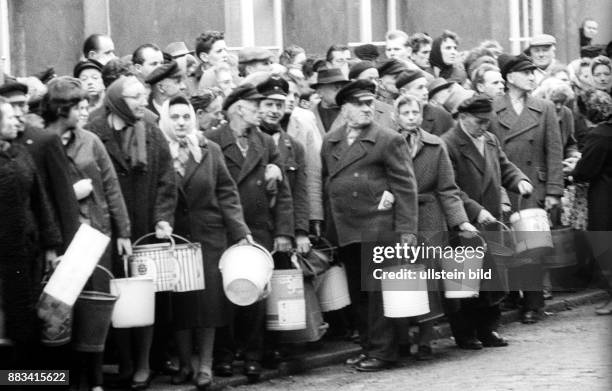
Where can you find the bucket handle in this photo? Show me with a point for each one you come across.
(46, 277)
(504, 226)
(482, 240)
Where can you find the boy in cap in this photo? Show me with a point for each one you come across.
(362, 163)
(481, 169)
(528, 130)
(250, 156)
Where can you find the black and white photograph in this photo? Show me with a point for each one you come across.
(273, 195)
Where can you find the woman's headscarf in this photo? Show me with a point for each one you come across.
(133, 136)
(436, 59)
(191, 141)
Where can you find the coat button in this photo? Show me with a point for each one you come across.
(529, 162)
(356, 175)
(530, 141)
(354, 194)
(258, 183)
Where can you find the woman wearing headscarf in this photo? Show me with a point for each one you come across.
(142, 160)
(96, 187)
(444, 58)
(27, 231)
(209, 212)
(595, 168)
(601, 72)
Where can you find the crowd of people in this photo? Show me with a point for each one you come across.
(283, 150)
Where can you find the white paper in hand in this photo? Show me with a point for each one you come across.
(77, 264)
(386, 201)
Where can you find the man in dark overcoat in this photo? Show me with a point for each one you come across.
(268, 211)
(363, 162)
(51, 162)
(481, 169)
(529, 133)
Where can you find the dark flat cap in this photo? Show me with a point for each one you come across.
(12, 88)
(508, 63)
(274, 88)
(359, 67)
(329, 76)
(46, 75)
(356, 91)
(367, 52)
(164, 71)
(391, 67)
(478, 105)
(252, 54)
(591, 51)
(243, 92)
(408, 76)
(438, 84)
(86, 64)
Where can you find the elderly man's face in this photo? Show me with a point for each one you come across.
(249, 111)
(328, 92)
(523, 80)
(542, 55)
(91, 80)
(359, 114)
(474, 126)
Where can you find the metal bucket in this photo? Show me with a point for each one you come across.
(92, 318)
(465, 287)
(405, 298)
(286, 307)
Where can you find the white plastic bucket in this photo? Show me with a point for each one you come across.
(246, 271)
(135, 306)
(286, 307)
(333, 292)
(466, 287)
(411, 300)
(531, 230)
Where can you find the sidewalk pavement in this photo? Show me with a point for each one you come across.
(335, 352)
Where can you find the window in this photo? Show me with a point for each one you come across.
(5, 57)
(375, 18)
(525, 22)
(254, 23)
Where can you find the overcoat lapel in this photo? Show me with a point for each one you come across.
(254, 155)
(468, 149)
(514, 124)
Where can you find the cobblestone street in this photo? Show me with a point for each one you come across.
(570, 350)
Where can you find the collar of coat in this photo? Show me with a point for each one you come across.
(339, 134)
(504, 103)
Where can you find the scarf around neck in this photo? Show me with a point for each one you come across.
(191, 141)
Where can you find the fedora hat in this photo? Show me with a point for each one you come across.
(330, 76)
(177, 49)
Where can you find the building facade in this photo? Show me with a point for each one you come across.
(36, 34)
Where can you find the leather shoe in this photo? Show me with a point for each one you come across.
(142, 385)
(252, 370)
(470, 344)
(529, 317)
(355, 359)
(181, 377)
(224, 369)
(203, 381)
(373, 365)
(493, 340)
(425, 353)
